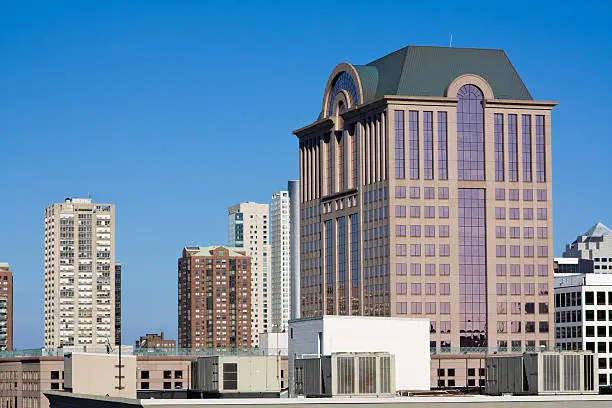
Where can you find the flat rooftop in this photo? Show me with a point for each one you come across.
(62, 399)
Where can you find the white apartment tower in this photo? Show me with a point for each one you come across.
(280, 241)
(248, 228)
(79, 273)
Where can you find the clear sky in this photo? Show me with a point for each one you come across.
(175, 110)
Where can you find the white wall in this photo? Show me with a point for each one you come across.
(407, 339)
(272, 343)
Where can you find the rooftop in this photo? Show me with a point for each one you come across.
(63, 399)
(598, 230)
(427, 71)
(4, 265)
(208, 250)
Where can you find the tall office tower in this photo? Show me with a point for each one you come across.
(595, 244)
(117, 304)
(6, 307)
(280, 243)
(426, 192)
(214, 302)
(248, 229)
(79, 273)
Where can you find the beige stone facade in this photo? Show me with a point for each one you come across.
(79, 305)
(431, 198)
(248, 228)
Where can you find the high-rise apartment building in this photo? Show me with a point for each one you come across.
(6, 307)
(117, 304)
(214, 302)
(79, 273)
(280, 244)
(426, 192)
(248, 229)
(595, 244)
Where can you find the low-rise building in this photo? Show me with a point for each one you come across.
(163, 372)
(583, 317)
(24, 379)
(573, 265)
(154, 341)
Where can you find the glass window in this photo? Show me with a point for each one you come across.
(442, 147)
(428, 145)
(399, 144)
(413, 144)
(526, 123)
(512, 148)
(540, 150)
(499, 146)
(470, 133)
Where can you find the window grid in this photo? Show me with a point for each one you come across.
(399, 145)
(413, 139)
(499, 146)
(526, 124)
(540, 150)
(512, 149)
(442, 147)
(428, 145)
(470, 133)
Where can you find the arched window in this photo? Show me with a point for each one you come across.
(470, 134)
(343, 82)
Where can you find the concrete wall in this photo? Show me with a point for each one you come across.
(406, 339)
(96, 374)
(272, 344)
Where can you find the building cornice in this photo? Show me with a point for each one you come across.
(513, 103)
(323, 125)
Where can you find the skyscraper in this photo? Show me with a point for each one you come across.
(595, 244)
(426, 191)
(214, 302)
(6, 307)
(117, 304)
(248, 229)
(79, 273)
(280, 243)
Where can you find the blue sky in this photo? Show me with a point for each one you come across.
(175, 110)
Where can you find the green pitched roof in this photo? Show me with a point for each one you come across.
(427, 71)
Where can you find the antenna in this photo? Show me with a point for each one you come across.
(450, 44)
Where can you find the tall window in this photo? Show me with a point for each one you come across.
(470, 133)
(343, 82)
(330, 166)
(342, 287)
(540, 150)
(526, 124)
(399, 144)
(499, 146)
(355, 263)
(355, 157)
(442, 147)
(428, 142)
(329, 267)
(413, 139)
(512, 149)
(472, 268)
